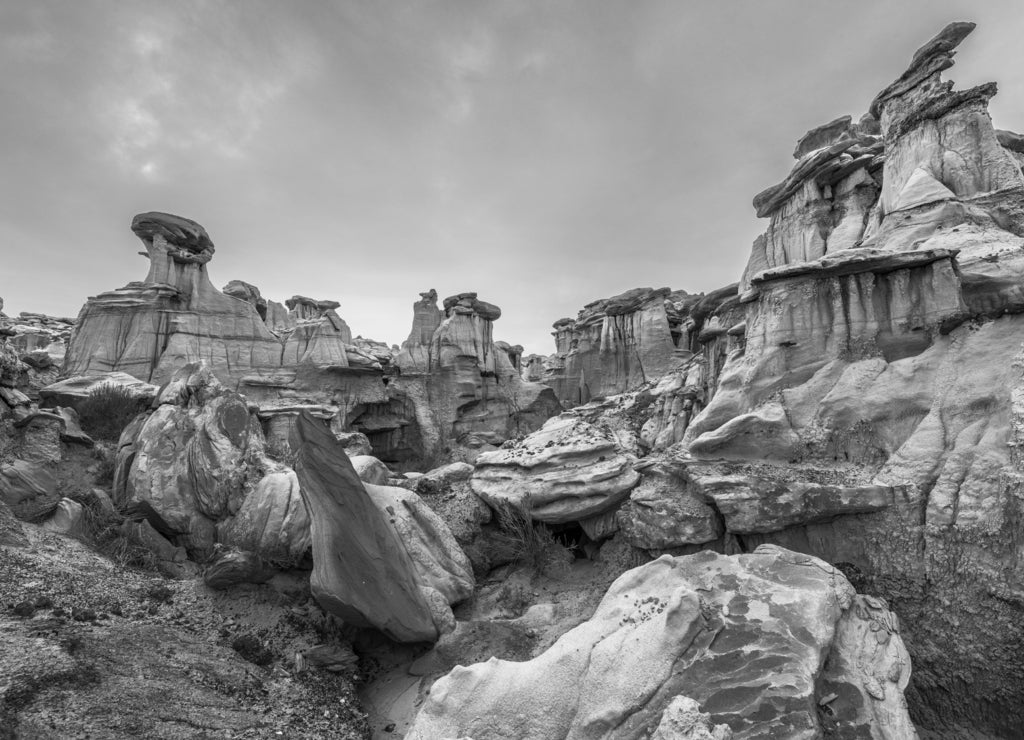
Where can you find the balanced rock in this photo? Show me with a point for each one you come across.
(566, 471)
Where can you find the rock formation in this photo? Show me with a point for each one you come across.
(393, 577)
(720, 631)
(195, 467)
(880, 372)
(567, 471)
(618, 344)
(455, 391)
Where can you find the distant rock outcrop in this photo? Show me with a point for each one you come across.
(451, 391)
(455, 391)
(618, 344)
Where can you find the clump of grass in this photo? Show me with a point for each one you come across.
(101, 530)
(107, 459)
(107, 411)
(532, 544)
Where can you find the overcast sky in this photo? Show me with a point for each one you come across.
(542, 154)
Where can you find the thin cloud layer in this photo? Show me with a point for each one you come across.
(542, 154)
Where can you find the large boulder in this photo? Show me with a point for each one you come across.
(723, 631)
(195, 467)
(566, 471)
(362, 569)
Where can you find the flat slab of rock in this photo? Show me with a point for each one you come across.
(759, 505)
(72, 391)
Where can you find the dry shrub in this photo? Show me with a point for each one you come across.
(107, 411)
(532, 544)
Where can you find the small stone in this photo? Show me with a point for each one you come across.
(24, 609)
(83, 614)
(42, 602)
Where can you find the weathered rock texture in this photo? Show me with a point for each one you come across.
(195, 467)
(881, 371)
(756, 640)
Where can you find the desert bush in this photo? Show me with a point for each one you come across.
(107, 411)
(532, 544)
(101, 530)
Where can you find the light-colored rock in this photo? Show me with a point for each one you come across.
(355, 443)
(683, 720)
(370, 469)
(29, 488)
(66, 518)
(867, 671)
(675, 627)
(667, 510)
(567, 471)
(72, 391)
(438, 561)
(272, 520)
(751, 504)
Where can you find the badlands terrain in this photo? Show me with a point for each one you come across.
(790, 507)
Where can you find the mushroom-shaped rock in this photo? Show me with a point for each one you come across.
(361, 570)
(567, 470)
(177, 231)
(720, 630)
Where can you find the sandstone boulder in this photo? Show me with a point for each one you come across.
(361, 570)
(566, 471)
(370, 469)
(667, 510)
(719, 630)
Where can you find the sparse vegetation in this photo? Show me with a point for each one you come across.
(533, 544)
(107, 411)
(101, 530)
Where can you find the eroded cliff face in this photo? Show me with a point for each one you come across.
(619, 344)
(455, 392)
(882, 356)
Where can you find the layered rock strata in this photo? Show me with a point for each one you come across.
(618, 344)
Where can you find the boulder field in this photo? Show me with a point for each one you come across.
(785, 508)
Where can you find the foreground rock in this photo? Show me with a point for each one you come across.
(195, 467)
(362, 569)
(748, 638)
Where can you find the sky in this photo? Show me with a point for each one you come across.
(543, 154)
